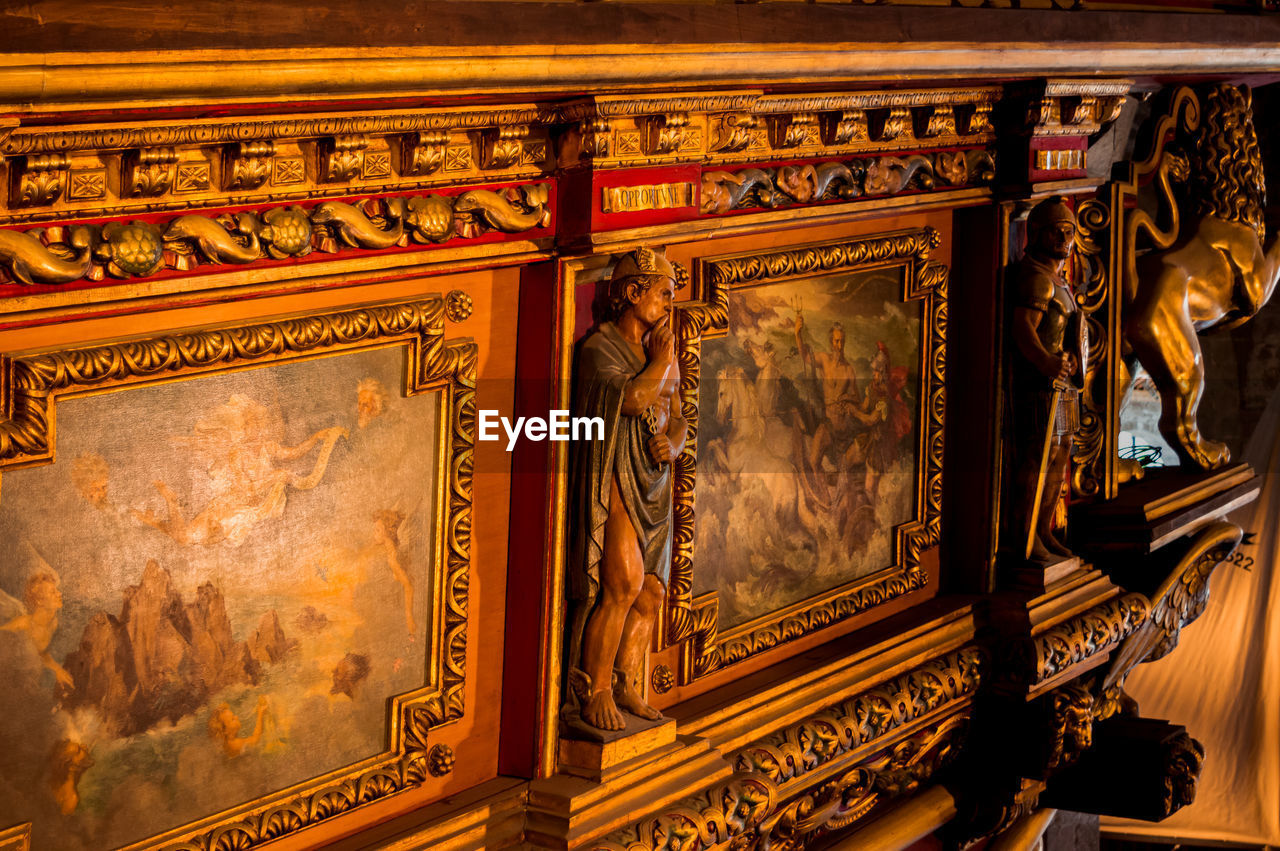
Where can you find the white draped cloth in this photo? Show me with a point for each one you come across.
(1223, 681)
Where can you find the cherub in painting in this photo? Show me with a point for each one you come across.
(37, 615)
(241, 439)
(371, 401)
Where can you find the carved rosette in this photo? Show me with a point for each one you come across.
(695, 623)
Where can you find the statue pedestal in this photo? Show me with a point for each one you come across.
(586, 802)
(1041, 577)
(604, 754)
(1167, 504)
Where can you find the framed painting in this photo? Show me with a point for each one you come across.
(812, 379)
(233, 583)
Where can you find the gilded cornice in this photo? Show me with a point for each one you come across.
(875, 99)
(619, 106)
(107, 137)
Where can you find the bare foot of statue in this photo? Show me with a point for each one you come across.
(629, 700)
(601, 712)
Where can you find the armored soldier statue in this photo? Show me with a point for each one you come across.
(1047, 354)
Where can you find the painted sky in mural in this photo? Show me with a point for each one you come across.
(211, 594)
(807, 442)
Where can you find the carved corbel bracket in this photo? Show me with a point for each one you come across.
(342, 157)
(422, 153)
(732, 132)
(502, 147)
(1075, 107)
(980, 120)
(1180, 598)
(845, 127)
(596, 137)
(149, 172)
(795, 130)
(248, 164)
(897, 126)
(941, 121)
(39, 180)
(665, 134)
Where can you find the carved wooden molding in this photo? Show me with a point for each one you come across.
(770, 187)
(1077, 640)
(827, 771)
(121, 249)
(695, 622)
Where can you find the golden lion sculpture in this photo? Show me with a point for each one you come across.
(1207, 267)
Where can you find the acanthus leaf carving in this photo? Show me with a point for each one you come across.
(42, 179)
(342, 157)
(501, 147)
(422, 153)
(149, 172)
(248, 164)
(666, 133)
(731, 132)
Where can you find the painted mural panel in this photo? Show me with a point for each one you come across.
(808, 449)
(213, 593)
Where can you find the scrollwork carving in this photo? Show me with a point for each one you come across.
(731, 132)
(1179, 600)
(140, 248)
(865, 718)
(1077, 639)
(782, 186)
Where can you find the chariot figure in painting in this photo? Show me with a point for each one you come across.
(621, 550)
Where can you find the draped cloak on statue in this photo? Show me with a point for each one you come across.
(606, 362)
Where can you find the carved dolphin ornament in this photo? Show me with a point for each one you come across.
(30, 261)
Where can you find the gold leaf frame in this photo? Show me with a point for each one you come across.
(33, 383)
(694, 621)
